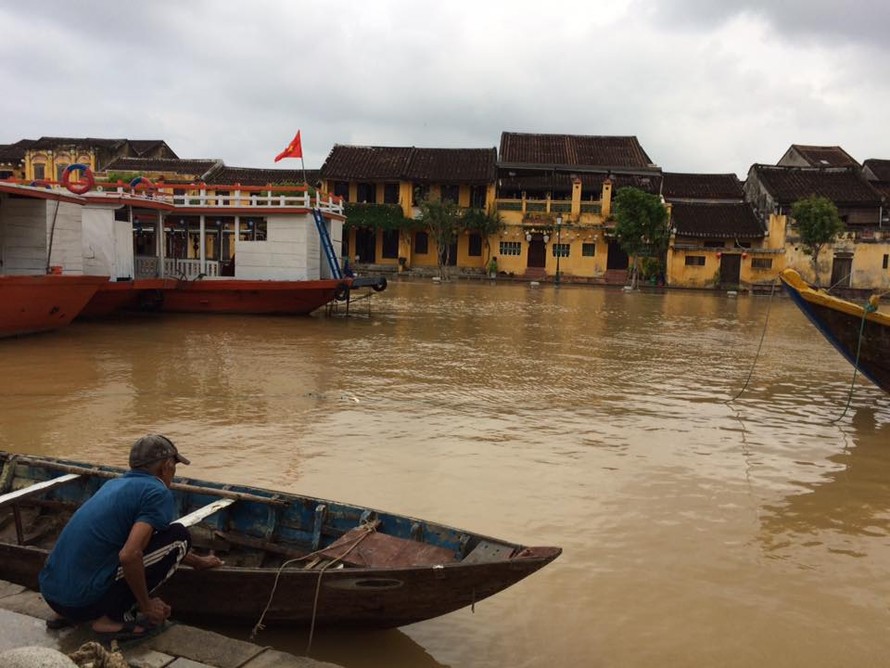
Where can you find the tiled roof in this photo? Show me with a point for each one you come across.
(194, 168)
(12, 153)
(143, 146)
(372, 163)
(45, 143)
(824, 156)
(247, 176)
(716, 220)
(407, 163)
(579, 151)
(880, 168)
(455, 165)
(843, 186)
(702, 187)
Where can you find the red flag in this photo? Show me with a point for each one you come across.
(293, 150)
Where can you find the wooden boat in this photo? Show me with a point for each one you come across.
(860, 333)
(289, 559)
(30, 304)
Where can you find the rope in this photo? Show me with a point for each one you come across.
(760, 345)
(869, 307)
(369, 529)
(94, 655)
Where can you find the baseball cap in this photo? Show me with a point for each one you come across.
(153, 448)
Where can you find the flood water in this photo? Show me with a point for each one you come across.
(696, 532)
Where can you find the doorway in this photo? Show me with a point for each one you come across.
(841, 271)
(537, 252)
(730, 270)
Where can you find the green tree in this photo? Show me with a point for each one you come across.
(484, 223)
(818, 223)
(443, 221)
(641, 226)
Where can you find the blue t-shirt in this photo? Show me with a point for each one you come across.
(84, 560)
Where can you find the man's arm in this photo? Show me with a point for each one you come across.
(134, 573)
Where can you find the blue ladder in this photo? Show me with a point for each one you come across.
(333, 263)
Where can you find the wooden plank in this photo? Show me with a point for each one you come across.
(178, 486)
(204, 512)
(359, 548)
(36, 488)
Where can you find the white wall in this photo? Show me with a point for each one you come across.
(283, 256)
(67, 239)
(107, 244)
(23, 236)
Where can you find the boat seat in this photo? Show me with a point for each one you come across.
(204, 512)
(36, 488)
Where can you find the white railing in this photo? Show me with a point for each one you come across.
(147, 267)
(237, 198)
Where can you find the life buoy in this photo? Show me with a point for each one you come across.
(341, 293)
(86, 182)
(141, 181)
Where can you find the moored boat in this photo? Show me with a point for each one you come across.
(289, 559)
(861, 333)
(31, 304)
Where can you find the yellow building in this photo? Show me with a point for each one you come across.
(385, 186)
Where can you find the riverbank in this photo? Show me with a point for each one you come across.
(23, 616)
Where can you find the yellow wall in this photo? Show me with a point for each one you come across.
(51, 160)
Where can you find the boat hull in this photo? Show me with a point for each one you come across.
(117, 296)
(249, 297)
(860, 335)
(422, 570)
(31, 304)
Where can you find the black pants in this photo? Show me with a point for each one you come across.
(164, 552)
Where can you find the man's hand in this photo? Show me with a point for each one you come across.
(200, 563)
(155, 611)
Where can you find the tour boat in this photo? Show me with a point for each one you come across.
(31, 304)
(290, 560)
(861, 333)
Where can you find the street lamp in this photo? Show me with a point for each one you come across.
(558, 246)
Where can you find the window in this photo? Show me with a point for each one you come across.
(713, 244)
(39, 171)
(253, 229)
(761, 263)
(477, 196)
(390, 193)
(60, 169)
(341, 189)
(390, 243)
(560, 250)
(421, 243)
(474, 245)
(886, 261)
(695, 260)
(366, 193)
(510, 248)
(421, 193)
(450, 193)
(588, 250)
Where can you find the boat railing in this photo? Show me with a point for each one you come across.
(237, 196)
(147, 266)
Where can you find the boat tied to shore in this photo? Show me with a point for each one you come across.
(861, 333)
(290, 560)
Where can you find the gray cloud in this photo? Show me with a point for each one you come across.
(706, 86)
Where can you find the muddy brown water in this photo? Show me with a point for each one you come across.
(695, 532)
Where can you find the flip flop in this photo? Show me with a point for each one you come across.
(57, 623)
(128, 634)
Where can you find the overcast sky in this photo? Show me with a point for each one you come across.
(706, 85)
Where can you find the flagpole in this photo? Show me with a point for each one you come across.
(303, 164)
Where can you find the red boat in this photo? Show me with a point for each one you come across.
(248, 296)
(117, 296)
(32, 304)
